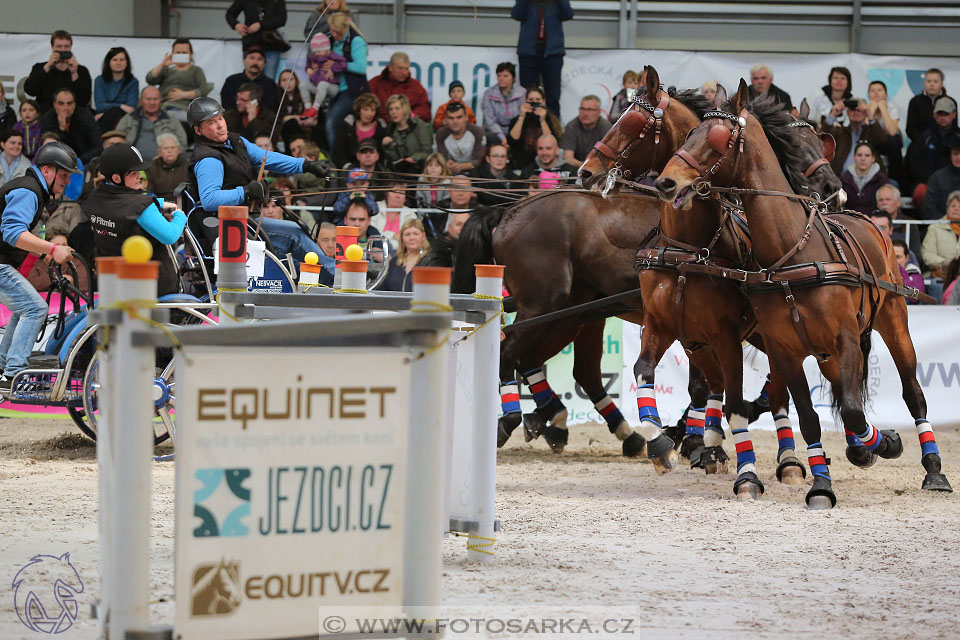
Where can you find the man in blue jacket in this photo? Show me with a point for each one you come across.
(22, 203)
(540, 45)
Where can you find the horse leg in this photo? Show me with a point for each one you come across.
(712, 458)
(892, 325)
(692, 420)
(789, 468)
(761, 404)
(587, 352)
(660, 447)
(509, 389)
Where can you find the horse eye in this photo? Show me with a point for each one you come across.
(689, 133)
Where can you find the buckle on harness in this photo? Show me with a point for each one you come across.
(735, 274)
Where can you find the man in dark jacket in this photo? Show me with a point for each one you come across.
(253, 65)
(396, 79)
(74, 124)
(942, 183)
(540, 46)
(761, 83)
(251, 119)
(848, 136)
(61, 70)
(920, 109)
(931, 150)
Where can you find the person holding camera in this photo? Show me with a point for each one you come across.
(61, 70)
(859, 128)
(179, 79)
(534, 121)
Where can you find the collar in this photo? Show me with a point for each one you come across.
(43, 181)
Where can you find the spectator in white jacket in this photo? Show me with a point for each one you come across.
(13, 163)
(828, 102)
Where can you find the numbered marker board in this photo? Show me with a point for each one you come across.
(291, 475)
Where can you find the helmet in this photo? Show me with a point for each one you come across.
(121, 158)
(57, 154)
(202, 109)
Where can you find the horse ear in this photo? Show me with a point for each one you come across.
(653, 82)
(721, 97)
(829, 146)
(743, 95)
(804, 109)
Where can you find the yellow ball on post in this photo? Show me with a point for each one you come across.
(353, 252)
(311, 258)
(136, 249)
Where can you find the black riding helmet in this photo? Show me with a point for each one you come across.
(202, 109)
(121, 158)
(57, 154)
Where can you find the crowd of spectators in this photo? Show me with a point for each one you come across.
(394, 151)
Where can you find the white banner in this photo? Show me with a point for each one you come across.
(290, 487)
(585, 71)
(934, 333)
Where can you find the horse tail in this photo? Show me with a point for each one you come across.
(475, 246)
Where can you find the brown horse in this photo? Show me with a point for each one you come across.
(824, 283)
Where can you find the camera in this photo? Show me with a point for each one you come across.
(65, 55)
(534, 104)
(851, 104)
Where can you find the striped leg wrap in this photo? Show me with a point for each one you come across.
(746, 458)
(647, 408)
(785, 441)
(713, 421)
(695, 421)
(852, 439)
(537, 381)
(510, 397)
(870, 438)
(817, 461)
(608, 409)
(928, 442)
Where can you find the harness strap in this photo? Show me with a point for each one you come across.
(799, 325)
(813, 167)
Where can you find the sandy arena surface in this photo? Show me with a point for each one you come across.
(593, 533)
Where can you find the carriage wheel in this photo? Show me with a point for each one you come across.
(163, 422)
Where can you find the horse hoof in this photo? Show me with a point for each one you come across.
(634, 446)
(689, 445)
(714, 460)
(747, 486)
(506, 424)
(556, 438)
(791, 471)
(894, 445)
(533, 426)
(937, 482)
(696, 458)
(861, 457)
(666, 463)
(819, 503)
(821, 495)
(662, 454)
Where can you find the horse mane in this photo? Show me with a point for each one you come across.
(692, 99)
(776, 126)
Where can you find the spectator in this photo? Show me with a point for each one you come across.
(409, 139)
(115, 89)
(250, 118)
(883, 221)
(29, 126)
(848, 136)
(348, 42)
(460, 197)
(263, 141)
(13, 163)
(358, 183)
(318, 22)
(931, 151)
(180, 80)
(455, 224)
(307, 181)
(368, 159)
(886, 114)
(325, 77)
(61, 70)
(144, 126)
(435, 174)
(262, 21)
(909, 272)
(495, 176)
(951, 292)
(413, 247)
(358, 214)
(396, 78)
(708, 90)
(631, 82)
(920, 109)
(584, 131)
(862, 178)
(327, 238)
(363, 124)
(548, 159)
(942, 242)
(294, 116)
(533, 122)
(540, 45)
(169, 168)
(393, 212)
(761, 83)
(888, 201)
(461, 143)
(827, 104)
(7, 117)
(253, 64)
(501, 103)
(456, 92)
(74, 125)
(943, 181)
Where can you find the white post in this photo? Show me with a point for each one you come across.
(354, 276)
(422, 546)
(131, 434)
(232, 250)
(486, 376)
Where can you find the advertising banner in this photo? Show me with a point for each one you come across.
(290, 487)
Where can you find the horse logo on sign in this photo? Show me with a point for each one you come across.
(216, 589)
(45, 594)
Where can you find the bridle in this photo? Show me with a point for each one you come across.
(820, 162)
(654, 121)
(719, 139)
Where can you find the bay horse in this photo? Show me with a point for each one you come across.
(710, 238)
(839, 270)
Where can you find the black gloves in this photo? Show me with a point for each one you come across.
(316, 167)
(255, 191)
